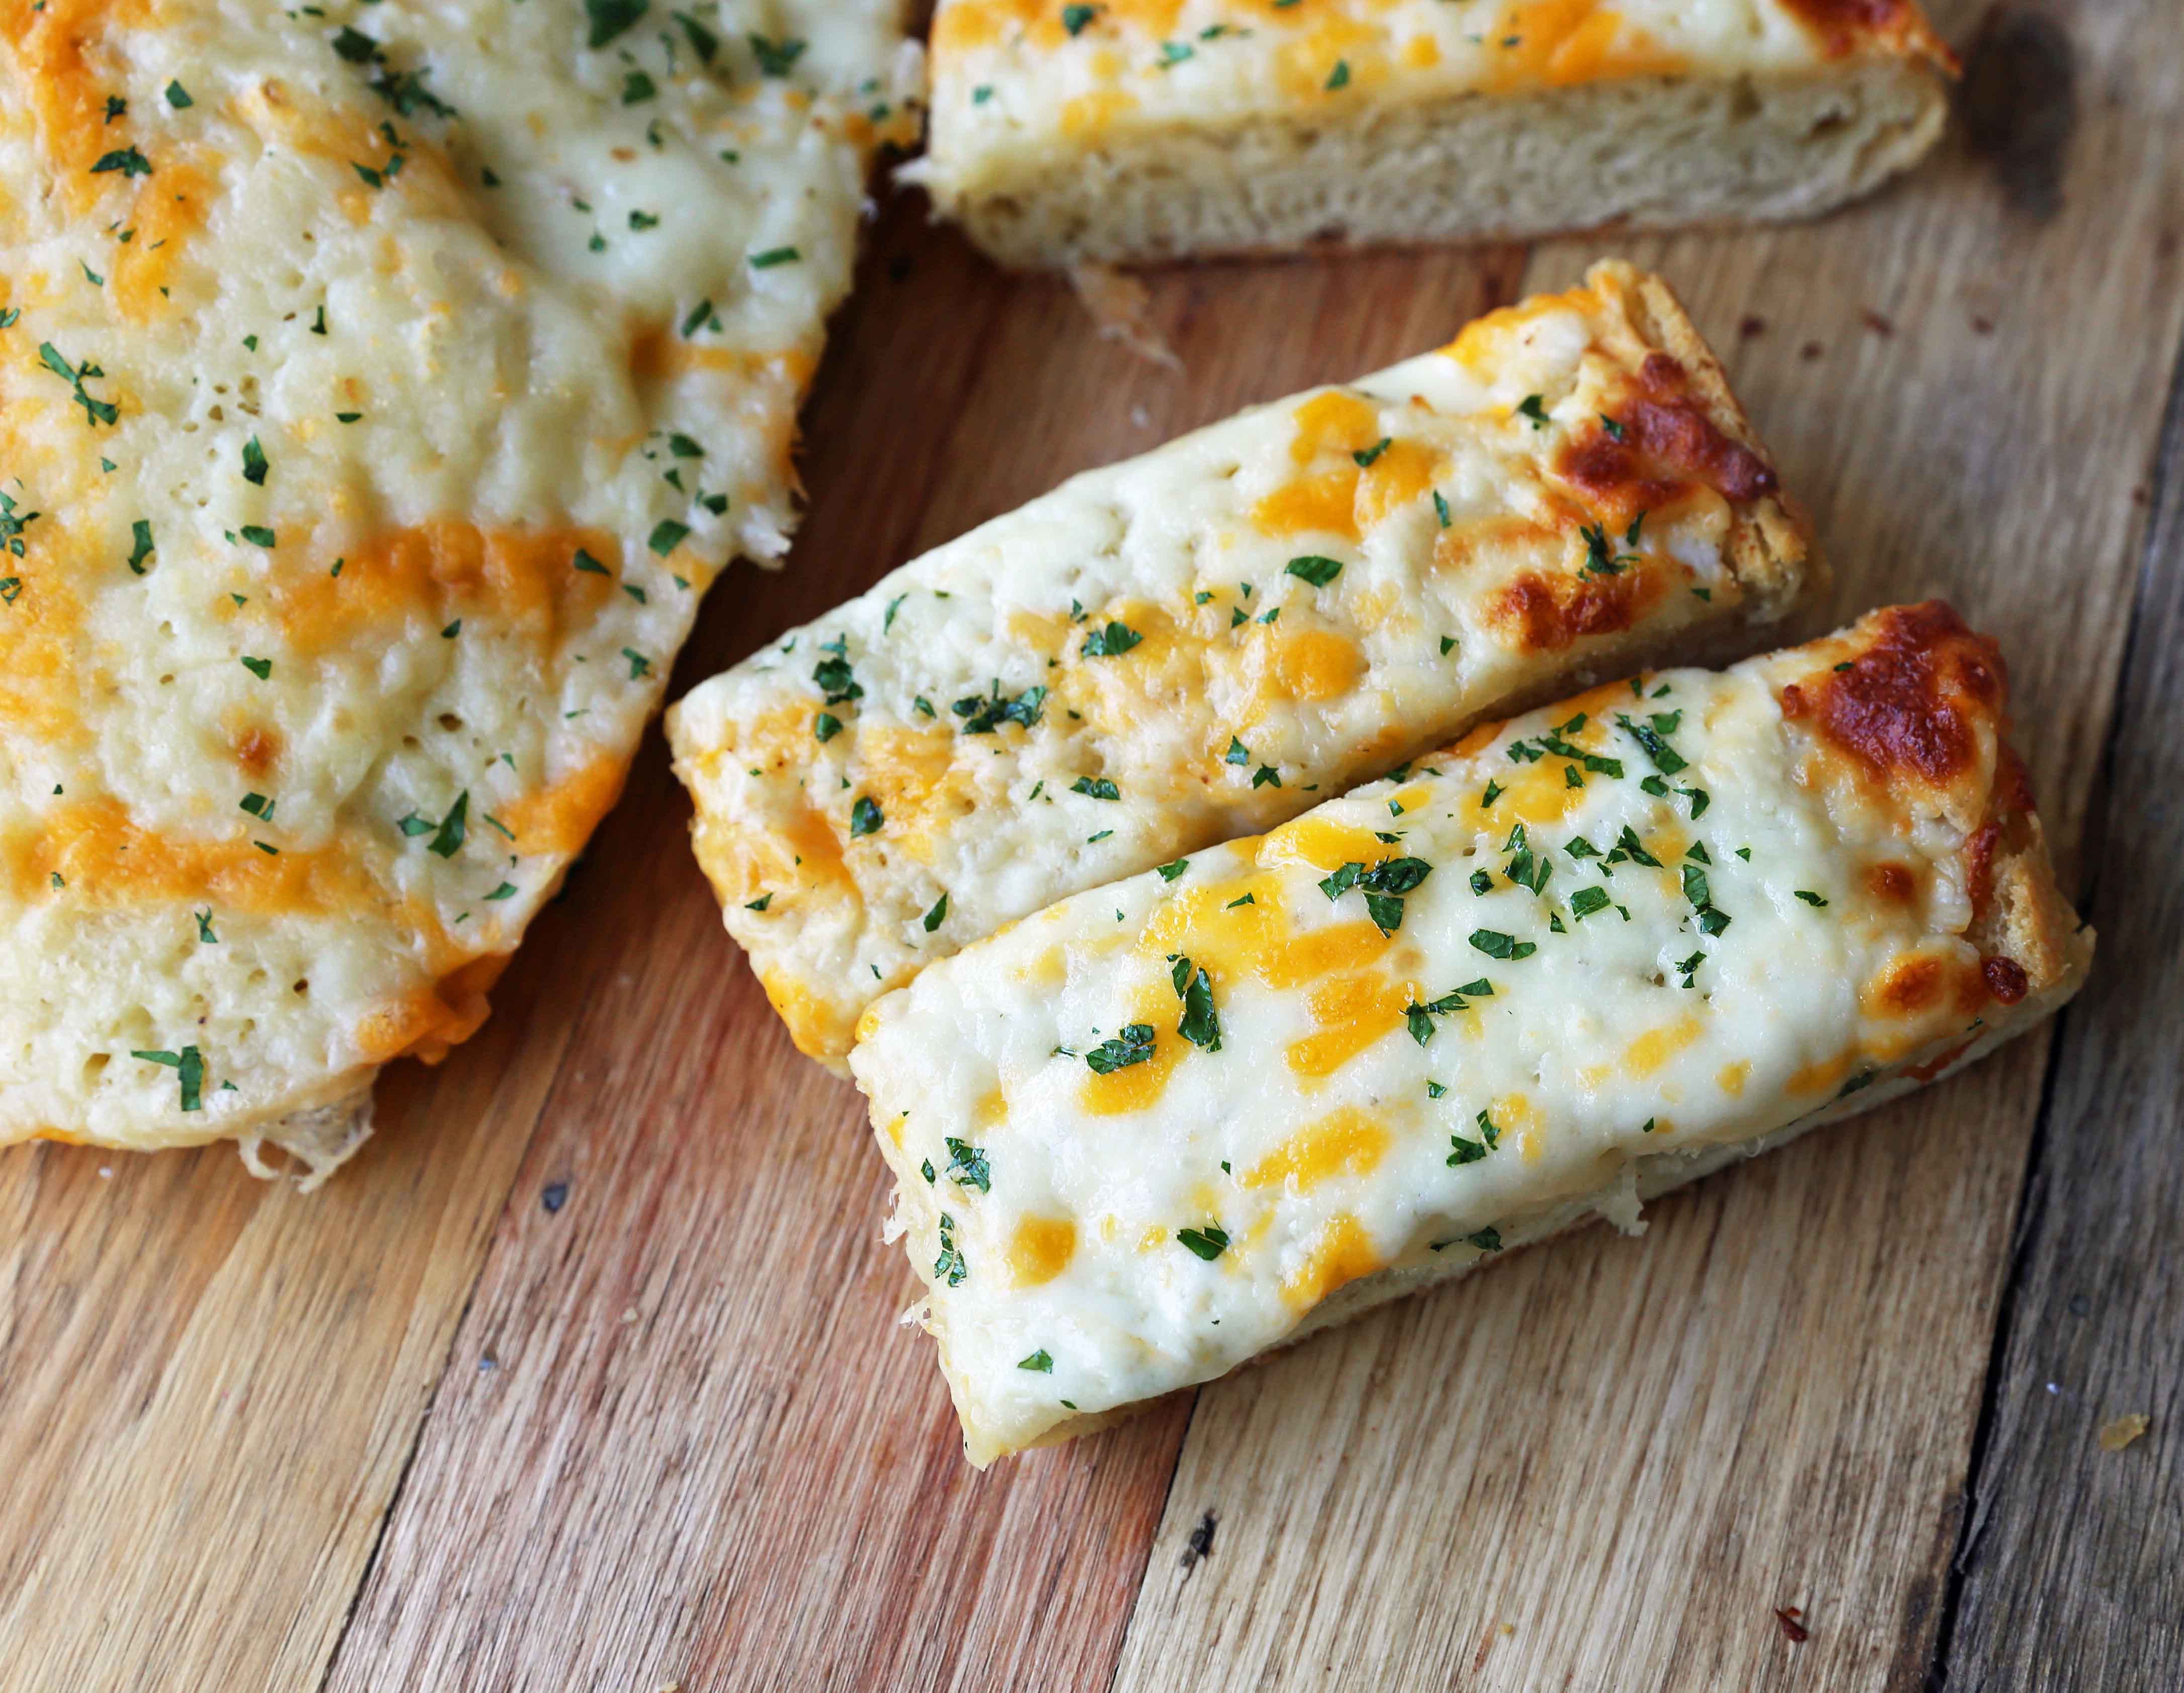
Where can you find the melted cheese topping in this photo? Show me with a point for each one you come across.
(1018, 83)
(1640, 922)
(381, 386)
(1205, 641)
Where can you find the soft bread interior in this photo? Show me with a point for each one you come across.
(1637, 153)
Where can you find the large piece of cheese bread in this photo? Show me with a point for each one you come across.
(1574, 960)
(1131, 130)
(381, 386)
(1202, 642)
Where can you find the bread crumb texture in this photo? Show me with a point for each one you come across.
(381, 386)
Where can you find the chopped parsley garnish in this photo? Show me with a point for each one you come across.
(949, 1267)
(1615, 430)
(96, 411)
(452, 829)
(1315, 569)
(1652, 736)
(968, 1166)
(1628, 845)
(1265, 774)
(667, 536)
(1075, 17)
(640, 667)
(833, 674)
(1486, 1240)
(259, 668)
(1366, 457)
(1497, 945)
(610, 18)
(1601, 557)
(1208, 1242)
(773, 256)
(1095, 788)
(1339, 76)
(1041, 1360)
(1586, 901)
(1201, 1023)
(1419, 1017)
(12, 526)
(1238, 753)
(985, 715)
(1534, 408)
(1169, 872)
(826, 726)
(189, 1063)
(937, 915)
(205, 936)
(777, 58)
(1811, 898)
(1384, 887)
(759, 904)
(1133, 1045)
(125, 160)
(865, 817)
(179, 97)
(1110, 642)
(1525, 868)
(258, 535)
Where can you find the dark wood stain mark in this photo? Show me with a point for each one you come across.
(2019, 106)
(1200, 1546)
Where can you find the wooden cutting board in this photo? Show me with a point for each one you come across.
(585, 1375)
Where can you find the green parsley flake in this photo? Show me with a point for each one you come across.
(189, 1063)
(1208, 1242)
(1133, 1045)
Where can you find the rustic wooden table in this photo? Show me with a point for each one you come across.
(584, 1375)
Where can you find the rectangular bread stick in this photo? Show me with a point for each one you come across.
(1142, 130)
(1575, 960)
(1203, 641)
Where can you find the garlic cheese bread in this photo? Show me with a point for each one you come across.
(381, 386)
(1134, 129)
(1202, 642)
(1574, 960)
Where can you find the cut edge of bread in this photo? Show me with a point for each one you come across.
(1633, 154)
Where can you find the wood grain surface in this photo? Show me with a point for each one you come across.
(585, 1375)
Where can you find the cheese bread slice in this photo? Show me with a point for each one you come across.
(1574, 960)
(381, 386)
(1203, 641)
(1133, 129)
